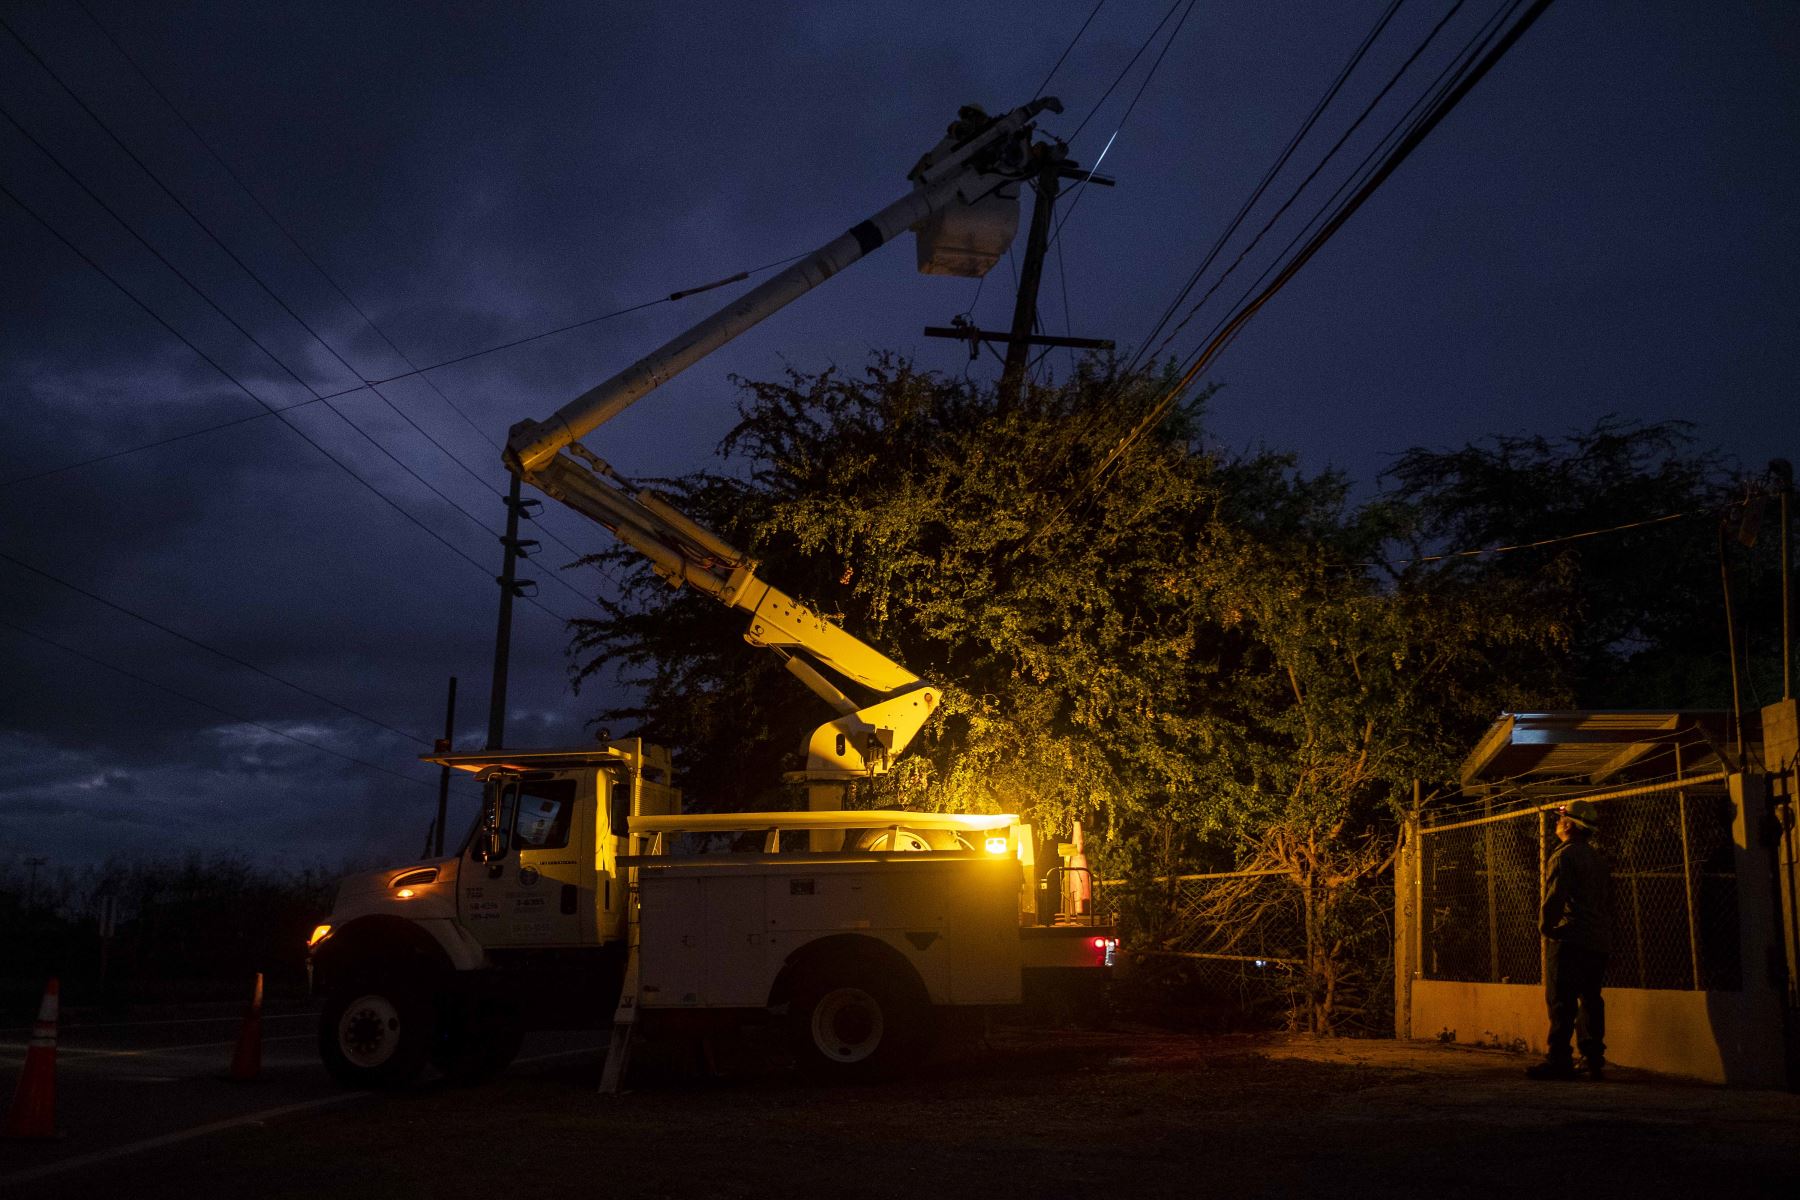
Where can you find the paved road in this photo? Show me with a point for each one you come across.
(126, 1086)
(1037, 1112)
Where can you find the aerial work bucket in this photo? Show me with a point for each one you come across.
(968, 239)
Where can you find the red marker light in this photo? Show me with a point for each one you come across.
(1099, 943)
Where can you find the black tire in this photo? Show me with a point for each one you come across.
(852, 1020)
(376, 1033)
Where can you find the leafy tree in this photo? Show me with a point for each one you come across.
(1643, 606)
(1199, 659)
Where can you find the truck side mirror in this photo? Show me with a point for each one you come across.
(493, 844)
(618, 806)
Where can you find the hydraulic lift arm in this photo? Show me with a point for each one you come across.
(982, 158)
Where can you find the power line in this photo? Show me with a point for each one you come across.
(1338, 145)
(239, 327)
(1363, 171)
(321, 271)
(1126, 69)
(1081, 191)
(1101, 410)
(1440, 108)
(255, 277)
(67, 649)
(210, 649)
(371, 384)
(1218, 246)
(1066, 49)
(285, 307)
(236, 382)
(167, 441)
(265, 210)
(680, 294)
(1549, 541)
(1055, 238)
(273, 410)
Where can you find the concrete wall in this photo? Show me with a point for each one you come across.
(1720, 1037)
(1731, 1037)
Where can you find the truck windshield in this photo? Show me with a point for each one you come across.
(534, 812)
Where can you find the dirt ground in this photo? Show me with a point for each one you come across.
(1128, 1112)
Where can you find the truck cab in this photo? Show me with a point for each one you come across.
(541, 866)
(448, 960)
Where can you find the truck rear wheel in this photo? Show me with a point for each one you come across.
(855, 1020)
(375, 1033)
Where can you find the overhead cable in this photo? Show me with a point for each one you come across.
(1101, 411)
(1080, 191)
(210, 649)
(1229, 329)
(276, 297)
(256, 278)
(264, 209)
(1044, 86)
(1361, 171)
(1549, 541)
(211, 707)
(1281, 161)
(238, 383)
(275, 410)
(1126, 69)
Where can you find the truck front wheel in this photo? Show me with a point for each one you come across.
(375, 1033)
(856, 1021)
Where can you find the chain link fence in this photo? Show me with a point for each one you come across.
(1238, 942)
(1674, 892)
(1233, 944)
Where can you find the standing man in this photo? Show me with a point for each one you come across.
(1576, 917)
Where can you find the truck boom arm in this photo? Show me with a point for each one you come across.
(966, 168)
(964, 174)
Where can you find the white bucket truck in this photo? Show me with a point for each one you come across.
(585, 892)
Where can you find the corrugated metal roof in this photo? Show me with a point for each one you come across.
(1597, 745)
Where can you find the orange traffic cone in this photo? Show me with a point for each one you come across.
(33, 1112)
(246, 1061)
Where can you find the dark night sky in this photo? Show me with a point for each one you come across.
(1607, 224)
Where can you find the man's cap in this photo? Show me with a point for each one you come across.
(1582, 812)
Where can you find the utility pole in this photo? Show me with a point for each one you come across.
(1053, 166)
(443, 747)
(1031, 273)
(510, 586)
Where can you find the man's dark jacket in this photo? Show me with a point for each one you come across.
(1575, 897)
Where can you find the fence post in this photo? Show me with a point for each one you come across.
(1687, 874)
(1543, 863)
(1406, 920)
(1493, 909)
(1762, 1020)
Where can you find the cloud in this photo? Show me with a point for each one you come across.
(474, 176)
